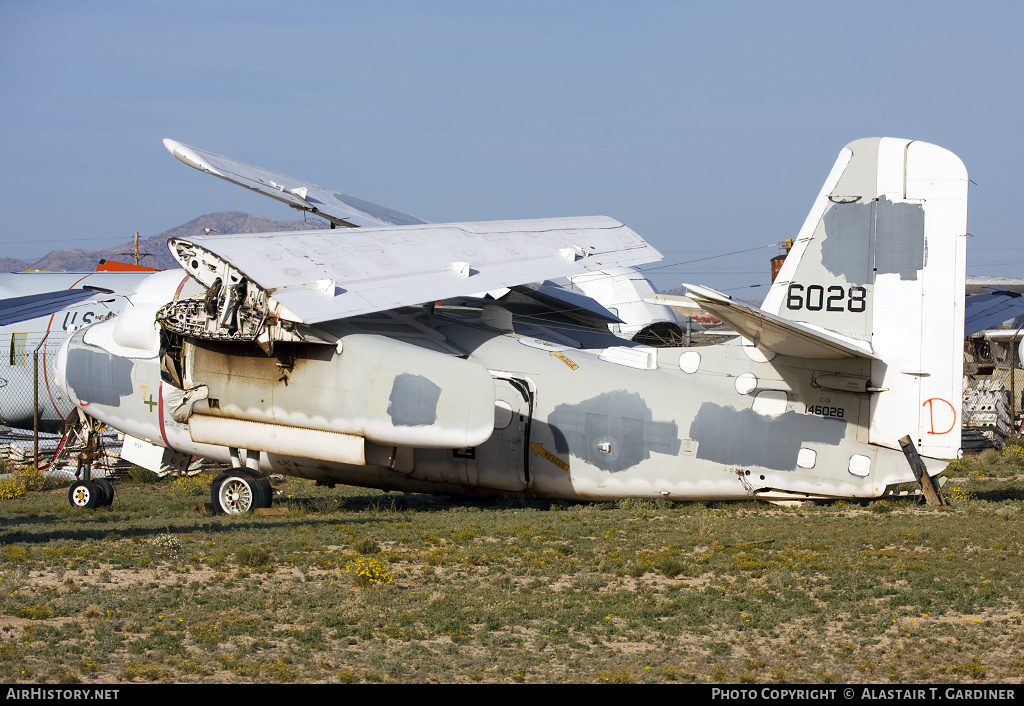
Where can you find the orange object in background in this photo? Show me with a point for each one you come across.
(114, 266)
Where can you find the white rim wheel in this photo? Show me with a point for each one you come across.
(81, 496)
(235, 495)
(84, 494)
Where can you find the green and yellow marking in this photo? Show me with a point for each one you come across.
(151, 402)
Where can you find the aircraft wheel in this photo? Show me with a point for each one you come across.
(268, 492)
(85, 494)
(233, 493)
(106, 491)
(262, 481)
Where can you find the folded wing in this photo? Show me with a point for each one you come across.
(339, 209)
(312, 276)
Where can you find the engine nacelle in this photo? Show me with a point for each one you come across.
(389, 392)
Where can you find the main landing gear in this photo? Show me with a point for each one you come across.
(242, 489)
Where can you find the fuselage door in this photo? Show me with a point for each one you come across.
(502, 461)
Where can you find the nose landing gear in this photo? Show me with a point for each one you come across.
(88, 492)
(91, 493)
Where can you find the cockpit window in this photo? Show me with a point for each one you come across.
(18, 344)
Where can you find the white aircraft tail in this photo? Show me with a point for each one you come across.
(880, 261)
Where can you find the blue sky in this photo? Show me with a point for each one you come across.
(706, 127)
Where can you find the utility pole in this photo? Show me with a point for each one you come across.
(135, 254)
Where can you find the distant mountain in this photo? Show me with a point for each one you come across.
(79, 260)
(10, 264)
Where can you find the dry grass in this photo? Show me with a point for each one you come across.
(153, 591)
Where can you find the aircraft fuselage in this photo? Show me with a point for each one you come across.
(397, 403)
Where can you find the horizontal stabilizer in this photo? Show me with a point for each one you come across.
(776, 334)
(314, 276)
(340, 209)
(671, 300)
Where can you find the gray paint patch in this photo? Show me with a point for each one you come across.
(741, 437)
(613, 431)
(899, 239)
(846, 248)
(413, 401)
(898, 236)
(98, 377)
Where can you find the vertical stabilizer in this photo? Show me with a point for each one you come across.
(881, 259)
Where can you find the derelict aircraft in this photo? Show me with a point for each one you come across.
(370, 359)
(38, 311)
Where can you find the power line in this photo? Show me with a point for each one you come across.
(709, 257)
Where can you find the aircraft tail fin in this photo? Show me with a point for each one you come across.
(880, 261)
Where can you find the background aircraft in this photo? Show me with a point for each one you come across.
(368, 360)
(992, 301)
(38, 311)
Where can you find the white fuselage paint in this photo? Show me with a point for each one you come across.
(45, 334)
(586, 428)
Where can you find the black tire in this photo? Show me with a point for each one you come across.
(268, 492)
(239, 491)
(85, 494)
(262, 480)
(106, 491)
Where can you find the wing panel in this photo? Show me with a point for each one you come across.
(17, 309)
(318, 276)
(336, 207)
(984, 311)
